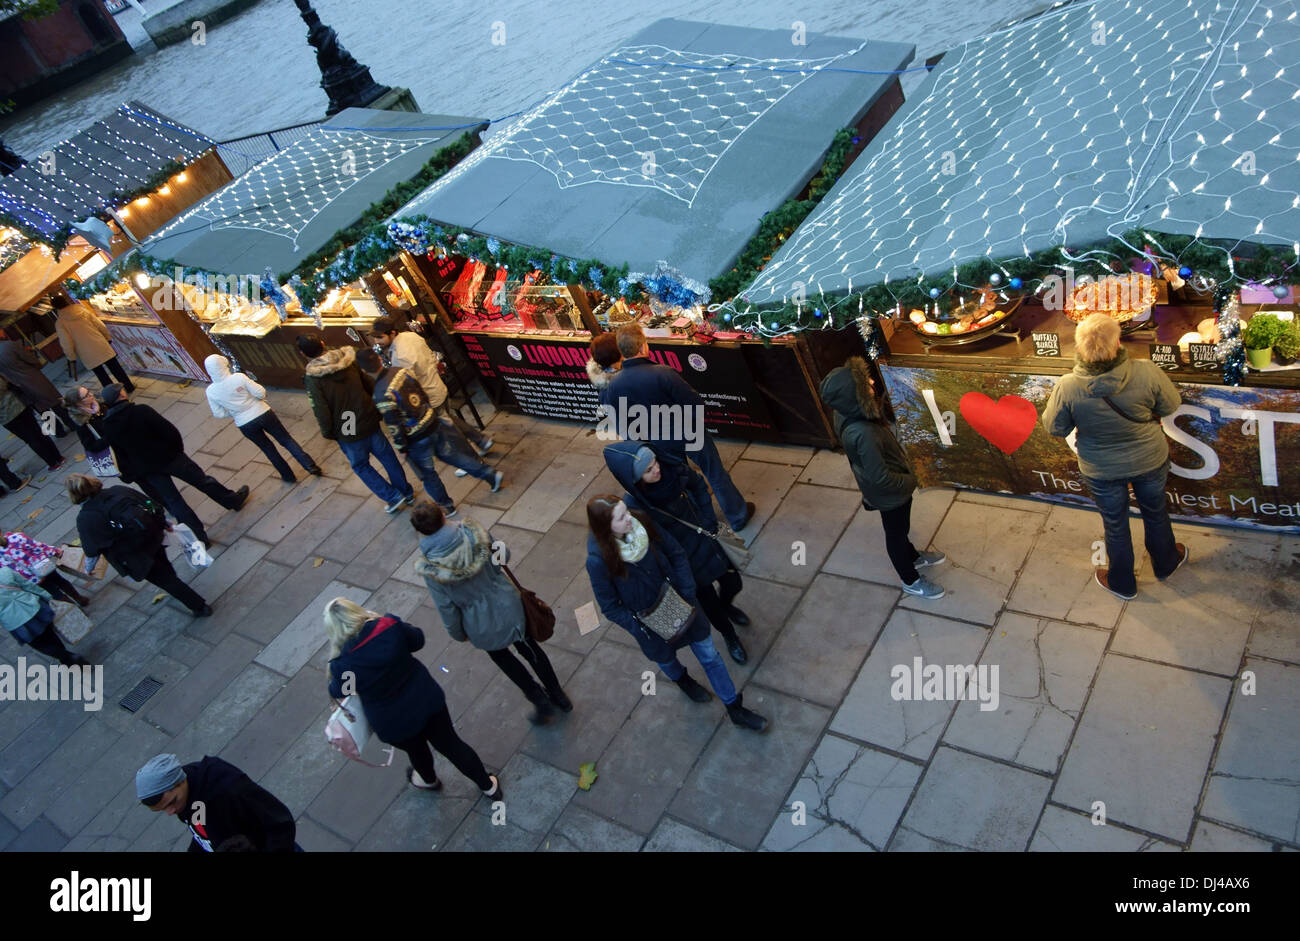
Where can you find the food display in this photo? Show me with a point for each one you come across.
(1126, 298)
(979, 316)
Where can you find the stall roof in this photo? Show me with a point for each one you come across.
(119, 153)
(1186, 119)
(672, 147)
(292, 204)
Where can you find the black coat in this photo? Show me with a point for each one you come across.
(340, 396)
(621, 598)
(131, 554)
(398, 693)
(879, 465)
(233, 805)
(143, 441)
(679, 494)
(643, 383)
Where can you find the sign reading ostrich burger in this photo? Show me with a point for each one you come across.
(1234, 451)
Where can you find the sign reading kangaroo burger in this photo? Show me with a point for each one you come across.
(548, 378)
(1234, 451)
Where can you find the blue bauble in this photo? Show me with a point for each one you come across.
(1280, 291)
(727, 318)
(1184, 272)
(1017, 283)
(935, 292)
(817, 313)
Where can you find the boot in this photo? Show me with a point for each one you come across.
(561, 701)
(735, 648)
(543, 711)
(738, 617)
(744, 718)
(693, 689)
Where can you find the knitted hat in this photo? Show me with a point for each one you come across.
(112, 393)
(160, 773)
(641, 463)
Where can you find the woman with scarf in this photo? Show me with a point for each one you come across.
(632, 565)
(479, 604)
(679, 502)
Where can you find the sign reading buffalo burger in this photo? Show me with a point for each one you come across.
(1234, 451)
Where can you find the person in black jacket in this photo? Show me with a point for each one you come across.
(150, 451)
(370, 657)
(127, 527)
(632, 564)
(862, 420)
(678, 500)
(218, 802)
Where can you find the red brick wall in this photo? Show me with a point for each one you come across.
(52, 40)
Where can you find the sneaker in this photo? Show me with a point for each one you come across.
(929, 558)
(924, 588)
(409, 499)
(1104, 581)
(396, 505)
(461, 473)
(449, 510)
(1184, 555)
(485, 447)
(496, 481)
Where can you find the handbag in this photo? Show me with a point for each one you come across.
(539, 619)
(670, 617)
(102, 463)
(70, 622)
(43, 567)
(348, 731)
(732, 546)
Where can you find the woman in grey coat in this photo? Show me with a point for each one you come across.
(479, 604)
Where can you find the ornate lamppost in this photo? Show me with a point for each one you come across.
(345, 80)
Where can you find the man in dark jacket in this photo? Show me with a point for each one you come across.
(340, 398)
(218, 802)
(641, 386)
(150, 451)
(880, 468)
(23, 370)
(417, 429)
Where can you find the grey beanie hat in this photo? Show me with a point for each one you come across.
(160, 773)
(641, 463)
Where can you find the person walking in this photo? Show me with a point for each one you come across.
(418, 430)
(340, 399)
(10, 480)
(22, 369)
(150, 450)
(678, 500)
(407, 350)
(30, 558)
(400, 699)
(1116, 405)
(478, 604)
(863, 419)
(641, 386)
(83, 336)
(234, 395)
(234, 807)
(632, 566)
(604, 362)
(26, 613)
(127, 528)
(16, 415)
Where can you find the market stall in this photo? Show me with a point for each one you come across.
(657, 165)
(1029, 191)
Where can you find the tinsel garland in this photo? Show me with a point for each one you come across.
(1230, 349)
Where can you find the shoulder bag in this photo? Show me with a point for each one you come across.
(732, 546)
(348, 732)
(671, 616)
(539, 619)
(1125, 415)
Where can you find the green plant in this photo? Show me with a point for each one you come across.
(1288, 342)
(1262, 331)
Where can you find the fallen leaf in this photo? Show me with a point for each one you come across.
(75, 542)
(317, 562)
(25, 500)
(35, 513)
(587, 775)
(78, 457)
(158, 597)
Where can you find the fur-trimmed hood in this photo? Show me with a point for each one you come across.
(332, 361)
(465, 560)
(847, 390)
(600, 376)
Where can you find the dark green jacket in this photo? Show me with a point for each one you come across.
(338, 392)
(879, 465)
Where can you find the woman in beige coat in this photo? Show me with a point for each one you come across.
(83, 336)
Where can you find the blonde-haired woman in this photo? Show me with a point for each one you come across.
(1116, 405)
(371, 656)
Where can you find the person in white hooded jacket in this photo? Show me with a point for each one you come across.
(234, 395)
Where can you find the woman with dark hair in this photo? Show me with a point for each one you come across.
(605, 360)
(680, 503)
(862, 422)
(633, 566)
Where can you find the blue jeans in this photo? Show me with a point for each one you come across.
(358, 454)
(451, 447)
(714, 669)
(1111, 497)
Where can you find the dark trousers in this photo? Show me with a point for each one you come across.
(438, 732)
(535, 656)
(164, 576)
(1111, 497)
(163, 488)
(8, 477)
(60, 587)
(709, 461)
(464, 427)
(101, 373)
(898, 524)
(716, 601)
(266, 426)
(48, 643)
(26, 429)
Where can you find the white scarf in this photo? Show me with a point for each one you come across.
(634, 545)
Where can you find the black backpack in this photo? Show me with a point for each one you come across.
(133, 514)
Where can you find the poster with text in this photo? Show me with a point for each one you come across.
(153, 349)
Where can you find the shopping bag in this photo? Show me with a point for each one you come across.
(74, 560)
(195, 551)
(348, 731)
(70, 622)
(43, 567)
(102, 463)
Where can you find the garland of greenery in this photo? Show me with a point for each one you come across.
(147, 188)
(57, 242)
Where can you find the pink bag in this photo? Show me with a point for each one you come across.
(348, 732)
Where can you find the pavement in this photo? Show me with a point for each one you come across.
(1170, 723)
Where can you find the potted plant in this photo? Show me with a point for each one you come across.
(1258, 336)
(1287, 344)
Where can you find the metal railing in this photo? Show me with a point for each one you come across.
(241, 154)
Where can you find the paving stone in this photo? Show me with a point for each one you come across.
(462, 670)
(351, 537)
(35, 743)
(741, 778)
(1005, 501)
(314, 838)
(45, 782)
(1275, 635)
(1057, 580)
(228, 713)
(39, 837)
(163, 834)
(536, 794)
(1255, 782)
(522, 465)
(765, 485)
(382, 555)
(1143, 745)
(304, 499)
(817, 654)
(292, 711)
(809, 517)
(1068, 831)
(234, 562)
(397, 597)
(544, 502)
(730, 450)
(550, 565)
(792, 454)
(266, 491)
(1212, 838)
(860, 553)
(258, 591)
(602, 483)
(580, 831)
(8, 832)
(302, 772)
(672, 836)
(357, 796)
(1044, 671)
(286, 601)
(221, 443)
(421, 821)
(174, 707)
(910, 726)
(828, 469)
(975, 803)
(112, 773)
(852, 799)
(477, 834)
(305, 634)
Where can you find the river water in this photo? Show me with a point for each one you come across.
(256, 72)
